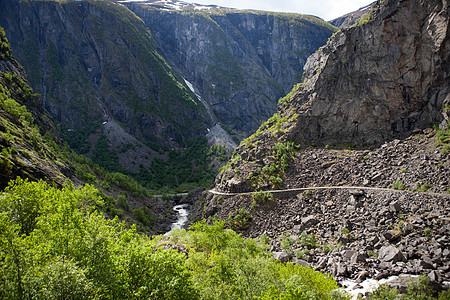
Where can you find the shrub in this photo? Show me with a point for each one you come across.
(260, 197)
(241, 220)
(398, 185)
(308, 240)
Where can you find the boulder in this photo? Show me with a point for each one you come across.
(309, 221)
(281, 256)
(390, 254)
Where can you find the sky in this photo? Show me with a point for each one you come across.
(325, 9)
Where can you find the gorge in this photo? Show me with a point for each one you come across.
(347, 175)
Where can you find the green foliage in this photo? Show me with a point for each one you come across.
(58, 246)
(398, 185)
(55, 245)
(423, 187)
(122, 201)
(363, 19)
(105, 157)
(260, 197)
(78, 139)
(219, 152)
(282, 156)
(5, 49)
(327, 248)
(185, 169)
(416, 290)
(344, 230)
(241, 219)
(286, 243)
(308, 240)
(443, 139)
(226, 266)
(144, 215)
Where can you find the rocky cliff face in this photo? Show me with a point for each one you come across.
(94, 61)
(376, 81)
(239, 62)
(369, 84)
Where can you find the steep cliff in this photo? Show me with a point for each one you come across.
(94, 61)
(239, 62)
(369, 84)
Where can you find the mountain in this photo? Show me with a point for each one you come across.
(95, 62)
(351, 165)
(239, 62)
(349, 19)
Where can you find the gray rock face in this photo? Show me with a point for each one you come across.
(241, 62)
(376, 81)
(390, 254)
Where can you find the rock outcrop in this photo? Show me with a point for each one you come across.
(368, 231)
(23, 123)
(349, 19)
(376, 81)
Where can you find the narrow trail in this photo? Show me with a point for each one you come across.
(213, 191)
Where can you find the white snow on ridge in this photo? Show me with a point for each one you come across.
(170, 4)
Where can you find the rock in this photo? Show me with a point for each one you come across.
(322, 263)
(426, 263)
(281, 256)
(395, 207)
(434, 276)
(300, 262)
(339, 269)
(357, 193)
(401, 282)
(362, 276)
(298, 228)
(347, 254)
(309, 221)
(390, 254)
(392, 235)
(358, 257)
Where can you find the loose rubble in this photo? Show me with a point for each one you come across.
(362, 233)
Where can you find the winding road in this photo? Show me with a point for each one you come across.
(213, 191)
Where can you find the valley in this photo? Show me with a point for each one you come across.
(168, 150)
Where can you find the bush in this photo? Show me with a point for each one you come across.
(308, 240)
(241, 220)
(226, 266)
(55, 245)
(398, 185)
(260, 197)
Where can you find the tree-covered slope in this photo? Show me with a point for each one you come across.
(26, 131)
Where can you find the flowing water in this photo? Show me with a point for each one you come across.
(182, 216)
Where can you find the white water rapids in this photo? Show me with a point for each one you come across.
(182, 217)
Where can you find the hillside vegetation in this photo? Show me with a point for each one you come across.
(55, 244)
